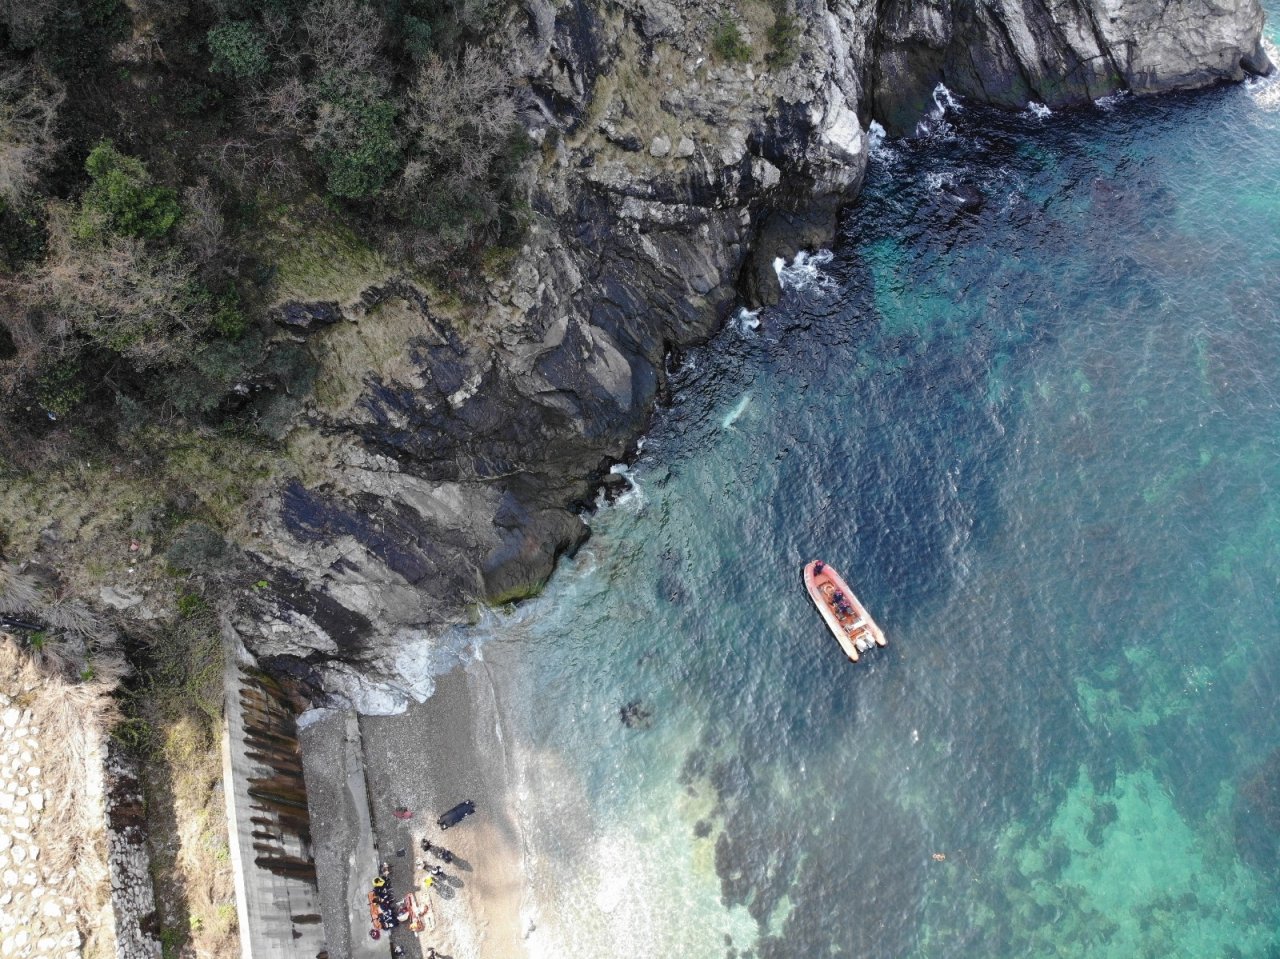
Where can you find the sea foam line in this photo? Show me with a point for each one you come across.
(805, 271)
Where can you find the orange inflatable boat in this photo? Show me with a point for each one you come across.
(845, 616)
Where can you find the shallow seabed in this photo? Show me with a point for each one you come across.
(1042, 441)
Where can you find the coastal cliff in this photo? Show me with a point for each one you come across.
(682, 151)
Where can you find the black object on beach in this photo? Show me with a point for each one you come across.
(456, 814)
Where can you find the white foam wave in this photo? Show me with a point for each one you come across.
(1265, 91)
(945, 100)
(727, 421)
(938, 181)
(805, 271)
(875, 136)
(880, 146)
(1111, 102)
(631, 498)
(935, 124)
(746, 321)
(1038, 110)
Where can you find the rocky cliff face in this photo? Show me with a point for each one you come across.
(1009, 52)
(676, 166)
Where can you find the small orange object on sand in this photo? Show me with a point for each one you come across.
(856, 631)
(375, 914)
(419, 912)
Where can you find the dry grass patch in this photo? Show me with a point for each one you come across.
(109, 521)
(316, 256)
(176, 724)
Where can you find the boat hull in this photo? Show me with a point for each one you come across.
(855, 633)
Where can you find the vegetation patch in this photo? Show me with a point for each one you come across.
(784, 35)
(728, 43)
(121, 198)
(174, 724)
(239, 49)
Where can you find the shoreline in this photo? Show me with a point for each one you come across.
(427, 759)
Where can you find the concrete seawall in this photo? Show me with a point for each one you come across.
(268, 821)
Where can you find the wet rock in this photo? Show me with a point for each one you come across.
(614, 485)
(1010, 52)
(966, 196)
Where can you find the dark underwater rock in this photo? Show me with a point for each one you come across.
(636, 715)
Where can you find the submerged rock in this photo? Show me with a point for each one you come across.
(636, 715)
(967, 197)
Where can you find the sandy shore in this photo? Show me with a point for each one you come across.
(428, 759)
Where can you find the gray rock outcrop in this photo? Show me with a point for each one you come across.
(1010, 52)
(670, 181)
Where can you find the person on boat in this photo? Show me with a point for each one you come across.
(819, 566)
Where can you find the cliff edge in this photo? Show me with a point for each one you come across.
(683, 148)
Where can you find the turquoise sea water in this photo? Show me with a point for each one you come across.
(1042, 442)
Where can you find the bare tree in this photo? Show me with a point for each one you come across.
(284, 108)
(115, 291)
(203, 227)
(462, 115)
(343, 37)
(25, 19)
(29, 102)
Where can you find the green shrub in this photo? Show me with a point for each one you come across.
(417, 36)
(728, 42)
(228, 319)
(363, 152)
(191, 604)
(239, 49)
(784, 35)
(58, 389)
(225, 315)
(122, 197)
(201, 384)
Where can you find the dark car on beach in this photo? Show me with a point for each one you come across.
(456, 814)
